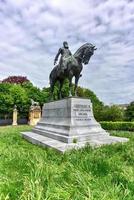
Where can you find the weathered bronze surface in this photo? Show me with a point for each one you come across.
(70, 66)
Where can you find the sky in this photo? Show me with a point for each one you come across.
(31, 32)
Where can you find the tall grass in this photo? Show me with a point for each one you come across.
(28, 172)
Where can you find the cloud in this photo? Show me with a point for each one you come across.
(32, 31)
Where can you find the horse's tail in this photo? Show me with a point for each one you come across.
(52, 76)
(50, 79)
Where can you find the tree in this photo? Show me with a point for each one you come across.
(20, 99)
(80, 92)
(111, 113)
(6, 105)
(129, 113)
(65, 89)
(34, 93)
(4, 88)
(20, 95)
(6, 100)
(91, 95)
(46, 94)
(16, 79)
(97, 104)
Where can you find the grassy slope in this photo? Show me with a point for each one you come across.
(28, 172)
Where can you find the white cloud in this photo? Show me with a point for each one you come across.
(32, 31)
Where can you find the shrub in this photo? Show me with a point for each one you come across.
(110, 113)
(125, 126)
(129, 112)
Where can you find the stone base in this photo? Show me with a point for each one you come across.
(62, 147)
(14, 124)
(68, 124)
(34, 115)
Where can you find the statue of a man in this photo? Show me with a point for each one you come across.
(65, 53)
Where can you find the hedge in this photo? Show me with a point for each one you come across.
(125, 126)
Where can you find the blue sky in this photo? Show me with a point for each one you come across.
(31, 31)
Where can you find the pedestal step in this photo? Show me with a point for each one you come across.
(69, 138)
(44, 141)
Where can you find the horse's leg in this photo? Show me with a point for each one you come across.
(76, 84)
(70, 86)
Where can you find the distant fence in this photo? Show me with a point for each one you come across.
(4, 122)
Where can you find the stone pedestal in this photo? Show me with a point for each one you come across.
(34, 115)
(15, 113)
(67, 124)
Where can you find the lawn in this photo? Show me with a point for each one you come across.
(29, 172)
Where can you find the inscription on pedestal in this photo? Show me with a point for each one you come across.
(82, 112)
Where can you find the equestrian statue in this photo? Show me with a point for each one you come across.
(70, 66)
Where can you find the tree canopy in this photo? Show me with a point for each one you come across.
(20, 94)
(16, 79)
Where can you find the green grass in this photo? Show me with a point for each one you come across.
(29, 172)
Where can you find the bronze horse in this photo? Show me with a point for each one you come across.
(74, 68)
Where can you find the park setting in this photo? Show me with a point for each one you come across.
(66, 100)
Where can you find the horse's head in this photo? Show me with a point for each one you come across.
(88, 52)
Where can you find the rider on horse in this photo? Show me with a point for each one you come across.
(65, 54)
(70, 66)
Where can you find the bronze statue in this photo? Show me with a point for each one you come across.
(65, 53)
(70, 66)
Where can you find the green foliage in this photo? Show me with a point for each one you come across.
(125, 126)
(46, 94)
(81, 92)
(20, 98)
(129, 113)
(98, 106)
(29, 172)
(34, 93)
(6, 100)
(56, 92)
(94, 99)
(4, 88)
(65, 90)
(6, 105)
(111, 113)
(21, 94)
